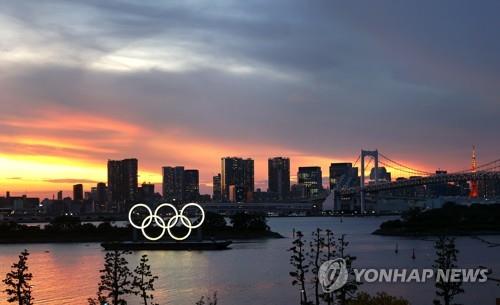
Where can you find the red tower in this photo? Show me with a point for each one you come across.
(473, 183)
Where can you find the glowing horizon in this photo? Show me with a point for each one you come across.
(42, 163)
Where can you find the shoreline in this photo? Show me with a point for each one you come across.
(80, 240)
(381, 232)
(90, 220)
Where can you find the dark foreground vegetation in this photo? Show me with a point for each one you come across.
(451, 219)
(307, 255)
(71, 229)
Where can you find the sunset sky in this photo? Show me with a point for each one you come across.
(188, 82)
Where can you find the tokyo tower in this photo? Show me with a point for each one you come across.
(473, 183)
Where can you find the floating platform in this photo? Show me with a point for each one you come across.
(175, 246)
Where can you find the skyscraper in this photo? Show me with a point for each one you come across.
(279, 177)
(181, 185)
(382, 174)
(168, 182)
(78, 192)
(173, 183)
(239, 173)
(216, 188)
(122, 179)
(311, 178)
(101, 196)
(191, 185)
(343, 174)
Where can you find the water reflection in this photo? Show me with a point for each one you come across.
(250, 273)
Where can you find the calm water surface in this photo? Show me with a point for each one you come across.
(253, 273)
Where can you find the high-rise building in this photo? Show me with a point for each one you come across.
(78, 192)
(279, 177)
(239, 173)
(236, 193)
(191, 185)
(343, 175)
(488, 188)
(168, 182)
(101, 196)
(147, 191)
(173, 183)
(216, 188)
(60, 195)
(122, 179)
(181, 185)
(382, 174)
(311, 178)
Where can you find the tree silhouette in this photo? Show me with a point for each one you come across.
(115, 279)
(346, 292)
(249, 222)
(209, 301)
(18, 282)
(143, 281)
(298, 261)
(446, 259)
(329, 245)
(316, 247)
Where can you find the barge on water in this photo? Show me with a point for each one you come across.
(167, 245)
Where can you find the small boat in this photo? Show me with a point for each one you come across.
(167, 245)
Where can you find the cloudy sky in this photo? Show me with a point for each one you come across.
(187, 82)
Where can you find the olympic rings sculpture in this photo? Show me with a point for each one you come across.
(160, 222)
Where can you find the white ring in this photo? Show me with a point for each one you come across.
(172, 222)
(161, 226)
(202, 215)
(166, 205)
(130, 215)
(169, 226)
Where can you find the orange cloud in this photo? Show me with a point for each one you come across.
(50, 151)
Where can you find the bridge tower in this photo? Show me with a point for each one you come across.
(474, 192)
(374, 155)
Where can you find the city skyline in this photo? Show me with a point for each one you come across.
(205, 187)
(313, 83)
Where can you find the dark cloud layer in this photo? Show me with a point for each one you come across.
(417, 80)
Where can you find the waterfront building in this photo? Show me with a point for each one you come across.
(216, 196)
(279, 177)
(343, 175)
(78, 192)
(146, 191)
(122, 179)
(239, 173)
(180, 185)
(191, 185)
(311, 178)
(382, 174)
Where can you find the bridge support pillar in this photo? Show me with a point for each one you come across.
(374, 155)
